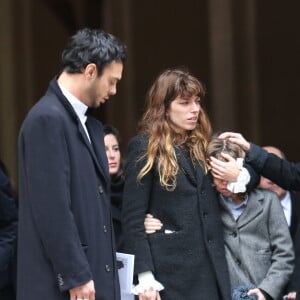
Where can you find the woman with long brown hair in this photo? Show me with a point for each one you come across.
(166, 175)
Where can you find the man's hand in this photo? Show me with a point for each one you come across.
(236, 138)
(152, 224)
(150, 294)
(83, 292)
(225, 169)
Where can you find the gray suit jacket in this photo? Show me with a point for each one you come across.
(258, 245)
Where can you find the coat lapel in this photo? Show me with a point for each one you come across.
(252, 210)
(92, 148)
(186, 166)
(97, 146)
(95, 134)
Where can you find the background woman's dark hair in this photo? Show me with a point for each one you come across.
(92, 46)
(108, 129)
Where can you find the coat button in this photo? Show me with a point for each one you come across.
(107, 268)
(238, 262)
(100, 188)
(234, 234)
(104, 228)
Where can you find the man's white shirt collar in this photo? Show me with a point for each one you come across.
(79, 107)
(286, 204)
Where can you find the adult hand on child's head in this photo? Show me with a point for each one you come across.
(225, 168)
(236, 138)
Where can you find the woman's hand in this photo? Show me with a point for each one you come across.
(150, 294)
(152, 224)
(225, 168)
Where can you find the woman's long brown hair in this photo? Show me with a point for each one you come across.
(160, 151)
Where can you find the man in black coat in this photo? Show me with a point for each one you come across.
(290, 200)
(66, 247)
(282, 172)
(8, 233)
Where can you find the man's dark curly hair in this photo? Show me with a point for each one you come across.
(92, 46)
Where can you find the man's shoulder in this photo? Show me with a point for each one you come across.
(46, 113)
(46, 107)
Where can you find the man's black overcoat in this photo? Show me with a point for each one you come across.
(65, 228)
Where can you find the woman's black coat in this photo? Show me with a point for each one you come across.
(193, 251)
(117, 186)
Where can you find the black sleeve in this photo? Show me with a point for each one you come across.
(254, 178)
(136, 198)
(282, 172)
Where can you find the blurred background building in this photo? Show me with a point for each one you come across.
(246, 52)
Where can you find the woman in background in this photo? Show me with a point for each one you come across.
(112, 147)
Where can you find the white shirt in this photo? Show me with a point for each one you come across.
(286, 204)
(79, 107)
